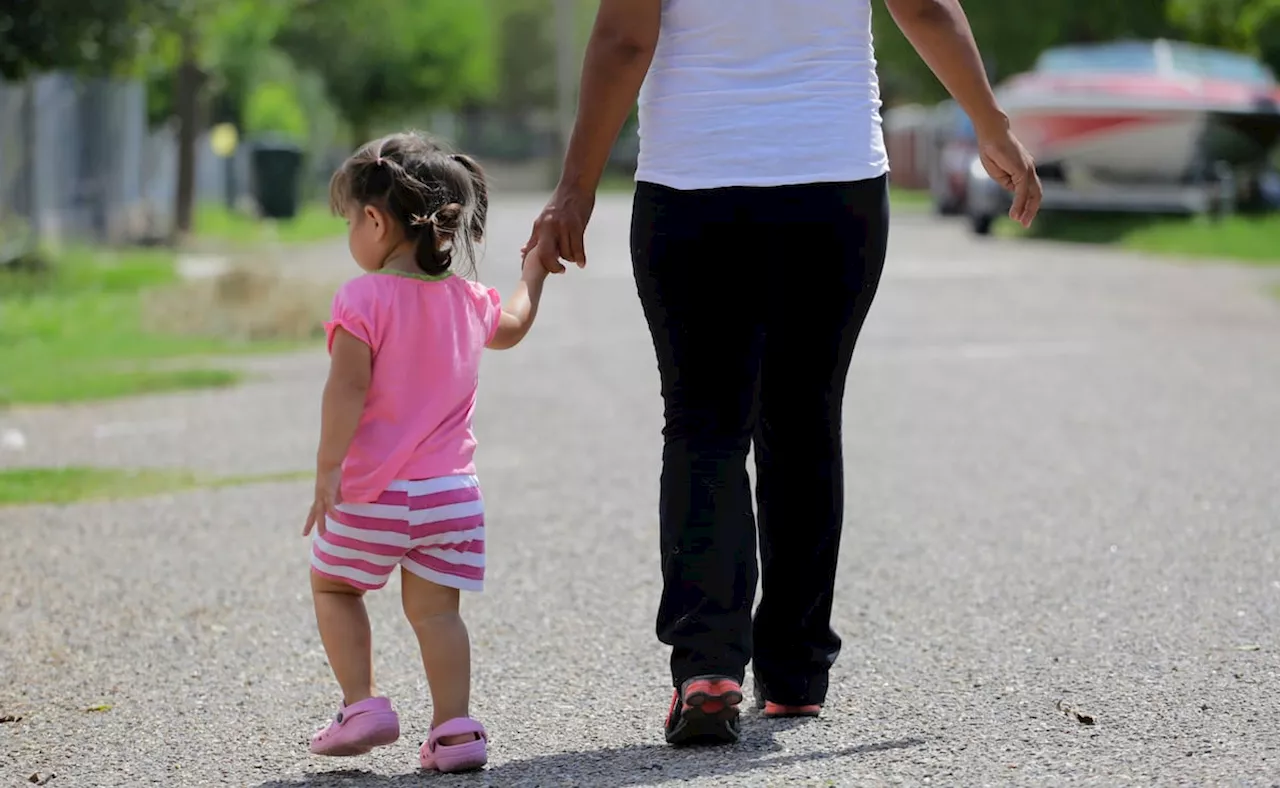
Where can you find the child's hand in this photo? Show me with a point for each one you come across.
(327, 497)
(538, 262)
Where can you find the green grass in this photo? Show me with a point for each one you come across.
(314, 222)
(910, 199)
(54, 387)
(75, 332)
(617, 182)
(19, 486)
(1248, 239)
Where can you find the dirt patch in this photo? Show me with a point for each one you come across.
(242, 303)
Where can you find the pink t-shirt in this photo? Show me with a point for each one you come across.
(427, 336)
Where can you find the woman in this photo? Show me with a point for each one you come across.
(758, 238)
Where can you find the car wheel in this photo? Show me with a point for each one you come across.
(981, 224)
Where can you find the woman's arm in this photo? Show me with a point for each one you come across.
(939, 31)
(521, 308)
(618, 55)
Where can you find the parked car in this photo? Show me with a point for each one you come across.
(954, 146)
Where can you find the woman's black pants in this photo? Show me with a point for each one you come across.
(755, 297)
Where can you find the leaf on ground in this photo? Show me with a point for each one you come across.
(40, 780)
(1073, 713)
(100, 707)
(10, 718)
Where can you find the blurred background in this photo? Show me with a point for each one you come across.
(165, 137)
(132, 121)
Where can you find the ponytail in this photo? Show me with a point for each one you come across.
(434, 250)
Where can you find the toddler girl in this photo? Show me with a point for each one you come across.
(395, 481)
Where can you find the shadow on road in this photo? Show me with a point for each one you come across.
(635, 765)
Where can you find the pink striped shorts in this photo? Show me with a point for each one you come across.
(433, 528)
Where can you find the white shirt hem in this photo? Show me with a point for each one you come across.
(692, 183)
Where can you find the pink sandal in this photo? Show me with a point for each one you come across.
(455, 757)
(358, 728)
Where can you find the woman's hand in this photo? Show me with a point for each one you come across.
(327, 497)
(1010, 165)
(939, 31)
(559, 229)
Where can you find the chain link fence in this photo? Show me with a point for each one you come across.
(79, 163)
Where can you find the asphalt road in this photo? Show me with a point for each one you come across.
(1063, 493)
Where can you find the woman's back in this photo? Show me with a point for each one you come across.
(761, 93)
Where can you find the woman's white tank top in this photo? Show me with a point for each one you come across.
(761, 93)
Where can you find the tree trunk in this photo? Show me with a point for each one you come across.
(190, 82)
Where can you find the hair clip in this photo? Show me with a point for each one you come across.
(418, 220)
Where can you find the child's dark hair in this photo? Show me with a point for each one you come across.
(439, 197)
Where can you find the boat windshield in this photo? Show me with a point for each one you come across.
(1145, 57)
(1125, 57)
(1218, 64)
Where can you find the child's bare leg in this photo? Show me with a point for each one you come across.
(344, 630)
(432, 610)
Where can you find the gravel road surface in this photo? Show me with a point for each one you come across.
(1061, 562)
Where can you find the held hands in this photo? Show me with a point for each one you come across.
(327, 497)
(558, 231)
(1009, 165)
(538, 263)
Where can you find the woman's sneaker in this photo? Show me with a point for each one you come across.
(704, 711)
(776, 711)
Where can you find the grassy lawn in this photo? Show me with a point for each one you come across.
(20, 486)
(314, 222)
(1248, 239)
(75, 332)
(910, 199)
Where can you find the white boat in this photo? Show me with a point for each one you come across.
(1144, 125)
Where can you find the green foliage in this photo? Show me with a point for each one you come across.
(273, 109)
(232, 45)
(526, 56)
(1249, 25)
(95, 36)
(383, 57)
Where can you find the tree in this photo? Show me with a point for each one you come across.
(203, 43)
(1251, 26)
(84, 35)
(380, 58)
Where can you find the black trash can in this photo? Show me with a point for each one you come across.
(276, 170)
